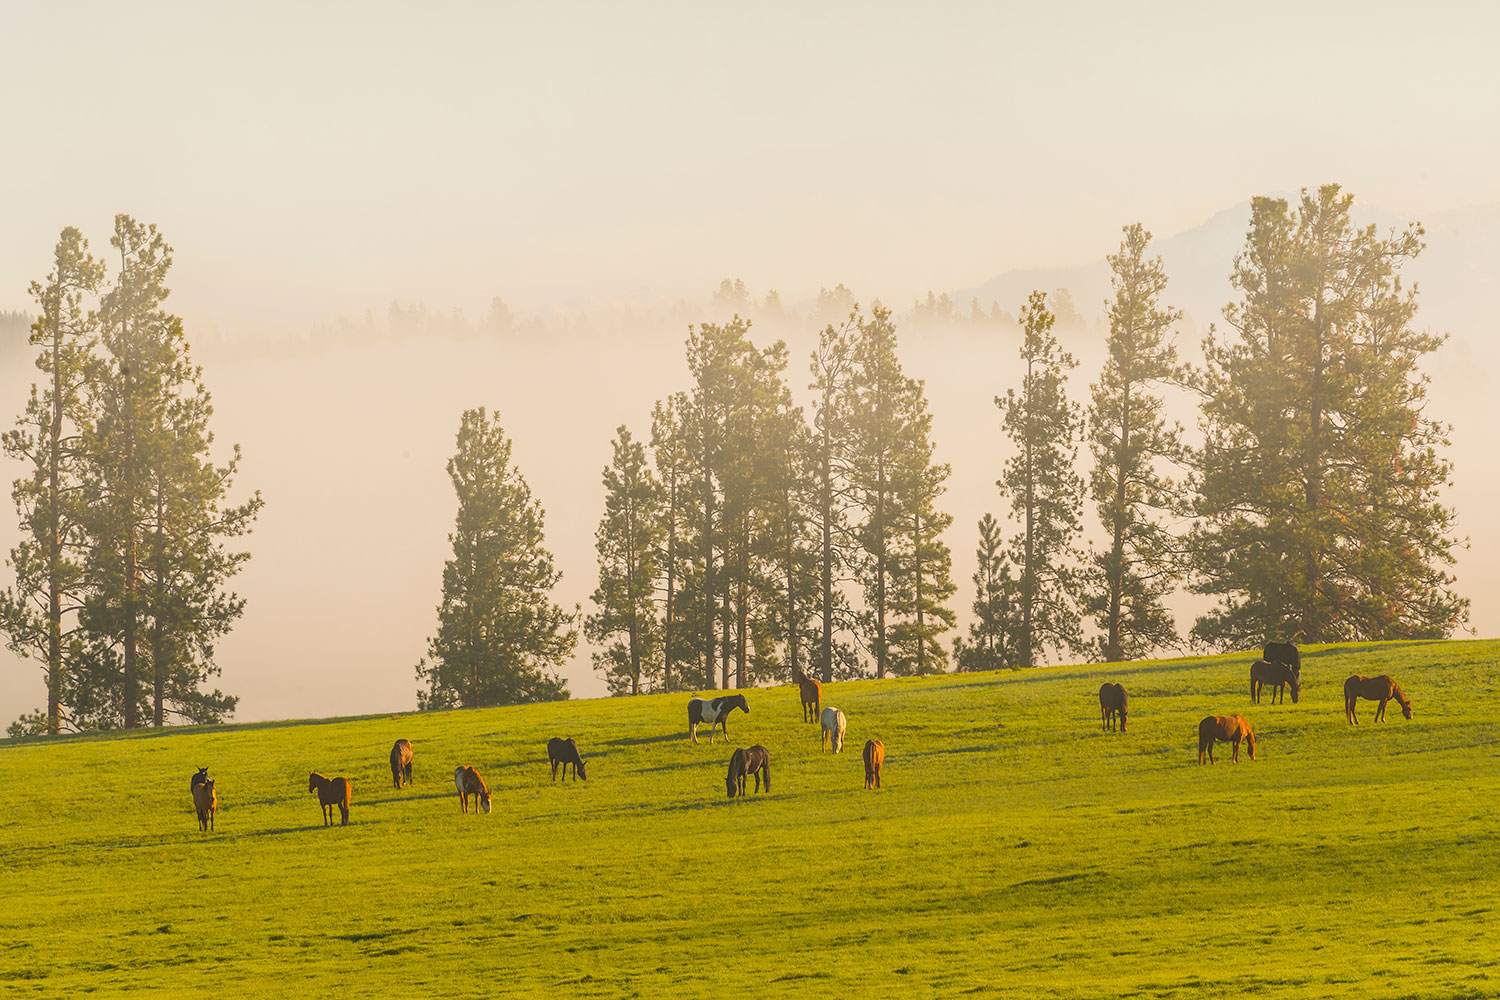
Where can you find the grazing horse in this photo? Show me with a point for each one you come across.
(1113, 701)
(812, 695)
(1224, 729)
(331, 792)
(565, 752)
(874, 761)
(401, 755)
(1286, 653)
(1381, 689)
(198, 779)
(744, 763)
(468, 782)
(715, 712)
(833, 729)
(206, 802)
(1278, 677)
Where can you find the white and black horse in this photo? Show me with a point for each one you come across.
(714, 712)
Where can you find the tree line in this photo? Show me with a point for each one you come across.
(122, 569)
(748, 536)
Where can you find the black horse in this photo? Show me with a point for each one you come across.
(1285, 653)
(744, 763)
(198, 779)
(565, 752)
(1113, 701)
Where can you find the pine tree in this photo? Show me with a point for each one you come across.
(1319, 478)
(628, 540)
(992, 640)
(500, 639)
(833, 382)
(878, 437)
(922, 581)
(39, 614)
(1130, 440)
(1044, 490)
(674, 471)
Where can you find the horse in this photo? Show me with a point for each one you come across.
(331, 792)
(812, 695)
(198, 779)
(833, 729)
(1381, 689)
(744, 763)
(715, 712)
(874, 761)
(1286, 653)
(1113, 701)
(1224, 729)
(401, 755)
(1276, 676)
(468, 782)
(565, 752)
(206, 802)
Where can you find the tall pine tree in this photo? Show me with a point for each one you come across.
(991, 643)
(1131, 442)
(1044, 490)
(500, 639)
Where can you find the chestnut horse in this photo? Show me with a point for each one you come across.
(1224, 729)
(754, 761)
(1113, 701)
(1276, 676)
(874, 761)
(331, 792)
(812, 695)
(206, 802)
(468, 782)
(401, 755)
(1381, 689)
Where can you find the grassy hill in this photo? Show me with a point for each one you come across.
(1015, 849)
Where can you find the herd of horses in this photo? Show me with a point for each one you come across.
(1279, 669)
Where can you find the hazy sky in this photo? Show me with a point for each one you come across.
(311, 161)
(315, 159)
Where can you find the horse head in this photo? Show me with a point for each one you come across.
(1406, 709)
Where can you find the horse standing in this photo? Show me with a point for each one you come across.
(401, 755)
(1381, 689)
(468, 782)
(1278, 677)
(1285, 653)
(833, 729)
(199, 778)
(715, 712)
(744, 763)
(565, 752)
(1224, 729)
(331, 792)
(811, 693)
(1113, 702)
(874, 761)
(206, 802)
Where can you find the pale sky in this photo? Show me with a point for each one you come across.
(309, 160)
(312, 161)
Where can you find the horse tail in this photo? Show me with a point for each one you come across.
(766, 772)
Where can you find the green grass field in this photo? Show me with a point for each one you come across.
(1015, 849)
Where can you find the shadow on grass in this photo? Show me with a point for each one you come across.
(635, 741)
(280, 831)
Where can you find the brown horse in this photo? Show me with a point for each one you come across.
(206, 802)
(754, 761)
(1224, 729)
(812, 695)
(1113, 701)
(331, 792)
(874, 761)
(1381, 689)
(468, 782)
(401, 755)
(565, 752)
(1276, 676)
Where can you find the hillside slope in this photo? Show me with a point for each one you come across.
(1015, 849)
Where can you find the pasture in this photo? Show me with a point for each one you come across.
(1015, 850)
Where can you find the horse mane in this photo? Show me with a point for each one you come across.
(1399, 695)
